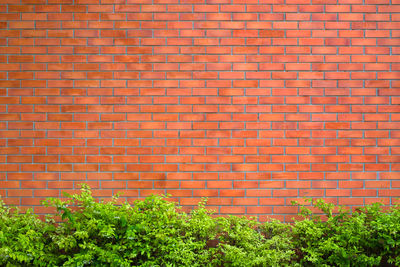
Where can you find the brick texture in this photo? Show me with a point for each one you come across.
(252, 103)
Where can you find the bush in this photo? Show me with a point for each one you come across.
(24, 239)
(155, 232)
(367, 237)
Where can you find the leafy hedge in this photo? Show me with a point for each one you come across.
(155, 232)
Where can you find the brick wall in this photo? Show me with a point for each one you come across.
(252, 103)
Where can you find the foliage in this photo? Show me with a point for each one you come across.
(24, 239)
(367, 237)
(155, 232)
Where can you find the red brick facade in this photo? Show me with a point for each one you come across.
(252, 103)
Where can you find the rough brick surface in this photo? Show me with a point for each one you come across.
(252, 103)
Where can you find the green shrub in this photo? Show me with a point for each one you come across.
(24, 239)
(155, 232)
(149, 233)
(247, 243)
(367, 237)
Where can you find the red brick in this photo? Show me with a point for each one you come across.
(227, 102)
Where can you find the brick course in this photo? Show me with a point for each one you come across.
(252, 103)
